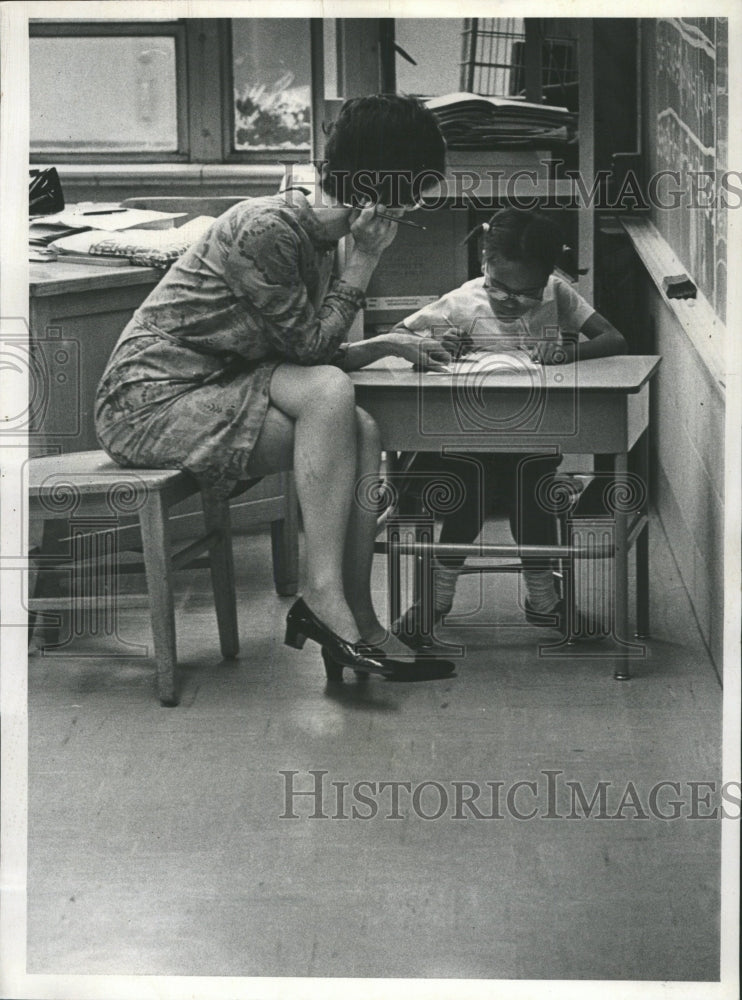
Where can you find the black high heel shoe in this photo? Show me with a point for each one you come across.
(303, 624)
(419, 668)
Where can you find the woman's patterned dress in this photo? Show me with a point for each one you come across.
(187, 383)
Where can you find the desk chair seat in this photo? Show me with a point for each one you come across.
(99, 498)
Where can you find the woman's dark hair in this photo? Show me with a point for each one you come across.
(387, 148)
(530, 236)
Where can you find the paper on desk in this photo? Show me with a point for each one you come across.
(135, 239)
(130, 218)
(512, 362)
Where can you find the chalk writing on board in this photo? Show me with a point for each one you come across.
(690, 102)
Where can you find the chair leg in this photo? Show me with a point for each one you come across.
(155, 543)
(216, 518)
(285, 541)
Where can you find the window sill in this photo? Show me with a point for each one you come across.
(196, 175)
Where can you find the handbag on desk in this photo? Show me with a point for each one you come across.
(44, 192)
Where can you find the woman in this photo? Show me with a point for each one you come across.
(233, 366)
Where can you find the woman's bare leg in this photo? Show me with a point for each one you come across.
(359, 548)
(322, 427)
(361, 532)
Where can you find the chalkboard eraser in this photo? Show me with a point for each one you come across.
(678, 286)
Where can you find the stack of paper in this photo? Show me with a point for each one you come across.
(148, 247)
(470, 121)
(43, 229)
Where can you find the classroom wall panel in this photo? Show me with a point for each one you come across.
(688, 431)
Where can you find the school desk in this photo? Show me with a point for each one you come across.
(598, 407)
(76, 313)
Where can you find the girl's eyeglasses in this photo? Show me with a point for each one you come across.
(501, 293)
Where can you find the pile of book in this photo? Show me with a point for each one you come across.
(112, 235)
(470, 121)
(145, 247)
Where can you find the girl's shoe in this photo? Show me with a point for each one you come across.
(557, 619)
(303, 624)
(409, 627)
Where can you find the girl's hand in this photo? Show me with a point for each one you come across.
(422, 350)
(371, 234)
(553, 352)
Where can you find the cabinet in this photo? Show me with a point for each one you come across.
(77, 312)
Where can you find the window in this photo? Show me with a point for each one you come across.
(189, 90)
(271, 77)
(435, 56)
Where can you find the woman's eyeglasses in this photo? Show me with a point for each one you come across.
(524, 296)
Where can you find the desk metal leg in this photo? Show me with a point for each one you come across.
(621, 575)
(394, 576)
(642, 584)
(424, 585)
(642, 546)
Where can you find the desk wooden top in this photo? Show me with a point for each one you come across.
(57, 277)
(621, 374)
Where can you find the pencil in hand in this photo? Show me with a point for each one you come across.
(401, 222)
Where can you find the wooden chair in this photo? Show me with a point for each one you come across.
(98, 497)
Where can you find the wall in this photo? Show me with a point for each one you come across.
(688, 489)
(435, 44)
(103, 182)
(685, 119)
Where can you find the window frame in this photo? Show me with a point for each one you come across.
(204, 93)
(113, 29)
(229, 153)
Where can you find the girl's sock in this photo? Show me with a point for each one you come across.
(444, 582)
(542, 595)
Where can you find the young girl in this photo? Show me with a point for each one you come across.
(518, 302)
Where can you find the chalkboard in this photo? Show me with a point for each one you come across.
(686, 87)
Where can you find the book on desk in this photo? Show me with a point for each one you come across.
(113, 237)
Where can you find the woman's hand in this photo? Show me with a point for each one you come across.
(422, 350)
(371, 234)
